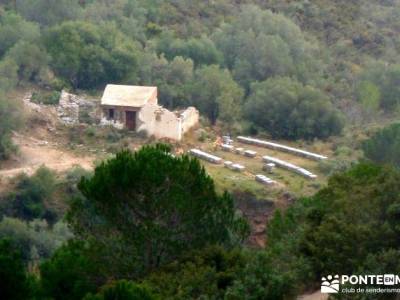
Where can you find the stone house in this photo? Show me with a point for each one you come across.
(136, 108)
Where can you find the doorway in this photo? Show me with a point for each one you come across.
(130, 120)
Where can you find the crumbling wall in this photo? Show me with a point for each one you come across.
(189, 118)
(73, 109)
(161, 123)
(68, 108)
(158, 122)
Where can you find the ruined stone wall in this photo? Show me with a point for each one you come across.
(158, 122)
(161, 123)
(189, 118)
(73, 109)
(68, 108)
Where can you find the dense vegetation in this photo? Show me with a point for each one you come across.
(290, 110)
(384, 146)
(357, 212)
(148, 225)
(212, 55)
(9, 120)
(146, 209)
(353, 217)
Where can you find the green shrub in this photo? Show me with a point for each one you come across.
(36, 240)
(85, 117)
(10, 119)
(91, 131)
(143, 134)
(28, 199)
(113, 135)
(68, 274)
(288, 109)
(357, 212)
(201, 274)
(14, 282)
(384, 146)
(123, 290)
(7, 147)
(47, 98)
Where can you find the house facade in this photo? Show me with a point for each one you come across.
(136, 108)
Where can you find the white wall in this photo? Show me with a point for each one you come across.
(162, 123)
(190, 117)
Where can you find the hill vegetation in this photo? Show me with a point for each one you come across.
(151, 225)
(86, 44)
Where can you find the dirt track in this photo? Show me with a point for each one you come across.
(314, 296)
(34, 153)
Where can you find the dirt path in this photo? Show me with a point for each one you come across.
(34, 153)
(314, 296)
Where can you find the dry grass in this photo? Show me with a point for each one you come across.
(287, 181)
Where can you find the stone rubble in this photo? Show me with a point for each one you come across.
(71, 108)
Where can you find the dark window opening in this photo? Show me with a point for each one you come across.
(111, 114)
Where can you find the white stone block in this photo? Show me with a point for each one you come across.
(264, 179)
(250, 153)
(227, 148)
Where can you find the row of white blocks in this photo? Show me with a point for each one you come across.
(280, 147)
(265, 180)
(235, 167)
(230, 148)
(216, 160)
(289, 166)
(206, 156)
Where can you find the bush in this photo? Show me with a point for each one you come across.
(113, 135)
(85, 117)
(384, 146)
(30, 196)
(14, 28)
(378, 86)
(200, 274)
(7, 147)
(10, 119)
(91, 131)
(35, 240)
(47, 98)
(123, 290)
(261, 44)
(91, 55)
(354, 205)
(31, 61)
(287, 109)
(68, 274)
(14, 282)
(8, 74)
(143, 134)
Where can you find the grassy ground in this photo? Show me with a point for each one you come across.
(287, 181)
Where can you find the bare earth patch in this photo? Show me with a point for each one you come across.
(34, 153)
(314, 296)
